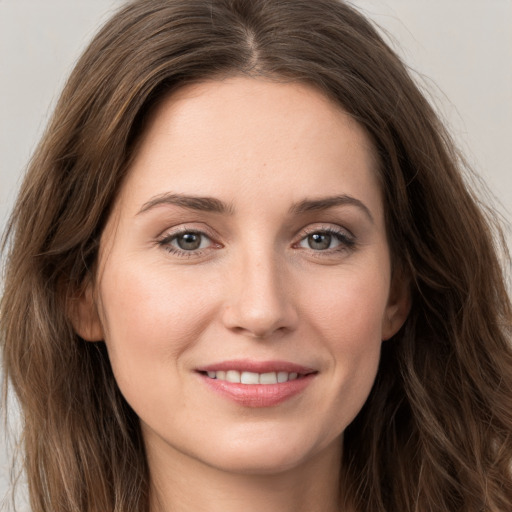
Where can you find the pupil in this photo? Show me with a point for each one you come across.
(319, 241)
(189, 241)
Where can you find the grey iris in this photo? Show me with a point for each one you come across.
(189, 241)
(319, 241)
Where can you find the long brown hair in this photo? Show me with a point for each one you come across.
(436, 431)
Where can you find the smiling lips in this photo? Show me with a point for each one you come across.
(252, 378)
(257, 384)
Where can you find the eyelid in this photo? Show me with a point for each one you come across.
(164, 240)
(179, 229)
(327, 228)
(345, 236)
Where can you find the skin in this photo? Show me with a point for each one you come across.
(258, 288)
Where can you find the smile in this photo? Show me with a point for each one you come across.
(252, 378)
(257, 384)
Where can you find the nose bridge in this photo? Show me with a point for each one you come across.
(260, 301)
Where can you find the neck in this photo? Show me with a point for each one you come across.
(182, 484)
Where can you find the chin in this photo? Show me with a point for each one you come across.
(258, 463)
(266, 455)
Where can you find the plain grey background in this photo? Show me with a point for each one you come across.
(460, 51)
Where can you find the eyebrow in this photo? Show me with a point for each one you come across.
(211, 204)
(203, 204)
(324, 203)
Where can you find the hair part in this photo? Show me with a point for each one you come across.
(435, 433)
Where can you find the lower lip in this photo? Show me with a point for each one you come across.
(259, 395)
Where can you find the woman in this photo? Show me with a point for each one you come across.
(245, 271)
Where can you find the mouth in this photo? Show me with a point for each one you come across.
(253, 378)
(257, 384)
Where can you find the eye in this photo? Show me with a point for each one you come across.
(319, 241)
(326, 239)
(188, 241)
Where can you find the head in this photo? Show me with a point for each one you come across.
(440, 245)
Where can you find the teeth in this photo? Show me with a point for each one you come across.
(233, 376)
(249, 378)
(282, 376)
(268, 378)
(252, 377)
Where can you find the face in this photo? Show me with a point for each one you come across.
(244, 285)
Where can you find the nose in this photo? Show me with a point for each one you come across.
(260, 301)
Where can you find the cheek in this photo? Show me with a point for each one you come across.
(150, 318)
(346, 314)
(349, 305)
(351, 325)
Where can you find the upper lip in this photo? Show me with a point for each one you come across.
(245, 365)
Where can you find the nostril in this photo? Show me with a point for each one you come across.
(258, 303)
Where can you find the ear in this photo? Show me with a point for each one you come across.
(398, 306)
(83, 313)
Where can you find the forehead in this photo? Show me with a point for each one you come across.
(243, 137)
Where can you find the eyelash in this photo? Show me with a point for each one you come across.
(167, 239)
(347, 241)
